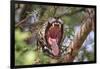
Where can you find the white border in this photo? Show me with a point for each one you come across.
(5, 34)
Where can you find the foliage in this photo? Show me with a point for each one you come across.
(26, 54)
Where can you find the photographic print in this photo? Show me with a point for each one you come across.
(49, 34)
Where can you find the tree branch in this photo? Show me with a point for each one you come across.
(22, 21)
(80, 37)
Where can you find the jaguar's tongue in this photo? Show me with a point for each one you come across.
(54, 46)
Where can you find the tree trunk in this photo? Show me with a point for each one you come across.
(75, 45)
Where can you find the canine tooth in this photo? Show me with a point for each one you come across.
(59, 25)
(53, 24)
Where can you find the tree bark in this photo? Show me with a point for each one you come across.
(75, 45)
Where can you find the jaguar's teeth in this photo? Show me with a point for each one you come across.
(59, 25)
(53, 25)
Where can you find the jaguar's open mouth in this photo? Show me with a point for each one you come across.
(53, 36)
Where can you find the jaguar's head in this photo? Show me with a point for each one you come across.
(53, 35)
